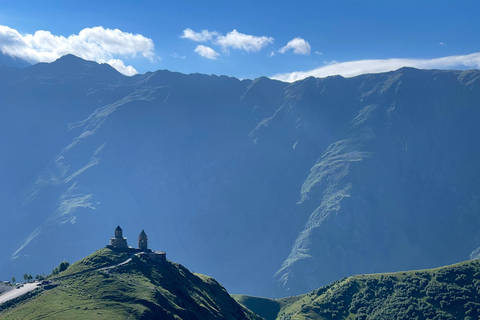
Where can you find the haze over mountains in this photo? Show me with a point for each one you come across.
(272, 188)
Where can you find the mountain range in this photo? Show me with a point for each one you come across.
(273, 188)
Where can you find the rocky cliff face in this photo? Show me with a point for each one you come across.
(310, 181)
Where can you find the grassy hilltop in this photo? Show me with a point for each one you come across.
(451, 292)
(140, 289)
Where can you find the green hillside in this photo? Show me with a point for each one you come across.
(101, 258)
(139, 289)
(451, 292)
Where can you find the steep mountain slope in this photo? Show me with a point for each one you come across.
(6, 60)
(241, 179)
(450, 292)
(139, 289)
(398, 188)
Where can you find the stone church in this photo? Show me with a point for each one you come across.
(119, 243)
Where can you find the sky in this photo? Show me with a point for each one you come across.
(285, 40)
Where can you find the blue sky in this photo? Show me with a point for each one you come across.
(247, 39)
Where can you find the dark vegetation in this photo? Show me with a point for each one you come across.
(61, 267)
(447, 293)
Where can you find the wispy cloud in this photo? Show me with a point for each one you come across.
(97, 44)
(355, 68)
(67, 205)
(207, 52)
(232, 40)
(27, 240)
(69, 202)
(298, 45)
(203, 36)
(176, 55)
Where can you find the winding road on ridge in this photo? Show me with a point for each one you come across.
(14, 293)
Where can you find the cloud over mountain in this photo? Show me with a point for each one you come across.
(97, 44)
(355, 68)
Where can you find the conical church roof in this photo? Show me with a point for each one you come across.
(142, 234)
(118, 228)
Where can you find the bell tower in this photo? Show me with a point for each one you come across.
(143, 241)
(118, 232)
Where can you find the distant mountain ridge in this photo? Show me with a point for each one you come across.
(310, 181)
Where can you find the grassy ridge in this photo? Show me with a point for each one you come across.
(446, 293)
(101, 258)
(141, 289)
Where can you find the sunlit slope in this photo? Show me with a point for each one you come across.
(451, 292)
(139, 289)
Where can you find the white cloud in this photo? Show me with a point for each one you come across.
(298, 45)
(203, 36)
(207, 52)
(237, 40)
(318, 53)
(96, 44)
(355, 68)
(233, 40)
(120, 66)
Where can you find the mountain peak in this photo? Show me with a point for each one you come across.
(70, 64)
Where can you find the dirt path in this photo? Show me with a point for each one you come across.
(117, 265)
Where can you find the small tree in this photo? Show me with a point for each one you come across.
(63, 266)
(39, 277)
(55, 271)
(25, 277)
(13, 280)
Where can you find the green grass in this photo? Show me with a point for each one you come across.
(141, 289)
(101, 258)
(447, 293)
